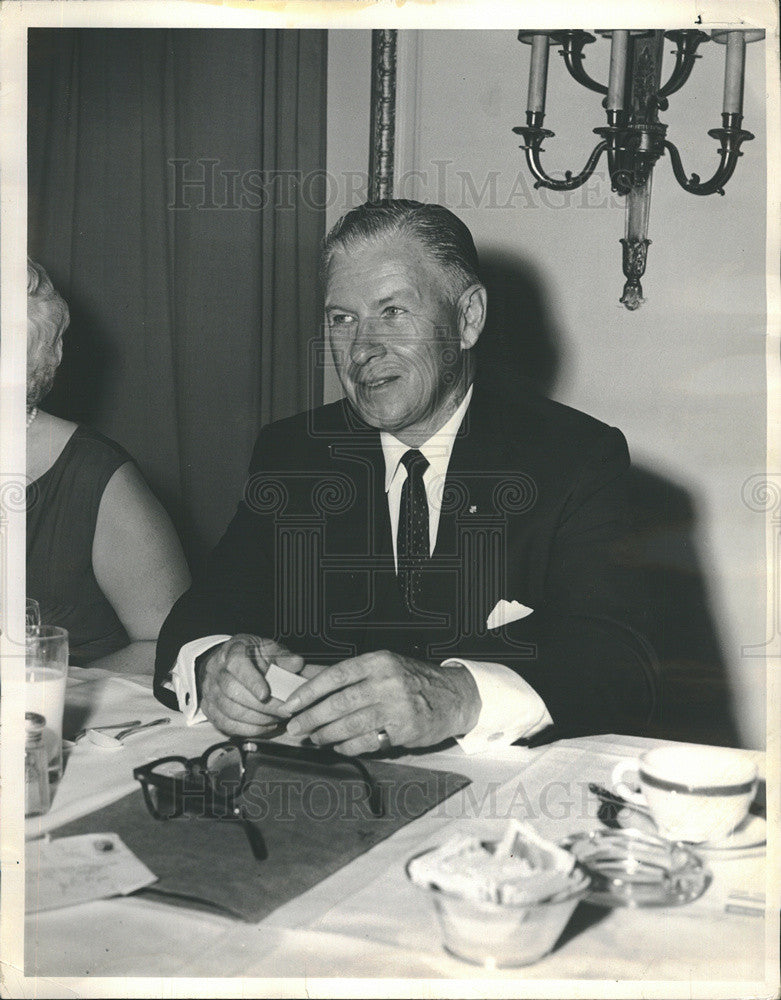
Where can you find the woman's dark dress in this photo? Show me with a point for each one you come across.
(62, 511)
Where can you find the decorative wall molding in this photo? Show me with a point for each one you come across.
(383, 114)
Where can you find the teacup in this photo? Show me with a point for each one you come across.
(695, 794)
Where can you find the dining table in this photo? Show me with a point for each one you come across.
(366, 921)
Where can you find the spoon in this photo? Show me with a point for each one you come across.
(612, 804)
(113, 742)
(136, 728)
(97, 729)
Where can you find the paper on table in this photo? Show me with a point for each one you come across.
(79, 869)
(282, 682)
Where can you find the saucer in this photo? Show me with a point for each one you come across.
(752, 832)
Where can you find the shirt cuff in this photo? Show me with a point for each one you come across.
(511, 709)
(183, 676)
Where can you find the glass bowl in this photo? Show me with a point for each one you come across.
(499, 935)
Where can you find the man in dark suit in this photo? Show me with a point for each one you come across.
(439, 555)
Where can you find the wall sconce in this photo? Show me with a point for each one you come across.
(634, 138)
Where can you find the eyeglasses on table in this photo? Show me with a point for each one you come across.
(211, 786)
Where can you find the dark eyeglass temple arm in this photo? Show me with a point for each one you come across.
(318, 756)
(375, 792)
(255, 839)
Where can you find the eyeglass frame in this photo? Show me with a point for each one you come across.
(289, 755)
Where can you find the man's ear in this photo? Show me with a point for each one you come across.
(472, 310)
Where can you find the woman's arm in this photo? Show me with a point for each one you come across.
(136, 555)
(135, 660)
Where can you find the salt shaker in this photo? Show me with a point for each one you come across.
(36, 766)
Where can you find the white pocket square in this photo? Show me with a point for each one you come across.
(506, 612)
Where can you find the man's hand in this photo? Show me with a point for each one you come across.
(418, 704)
(235, 695)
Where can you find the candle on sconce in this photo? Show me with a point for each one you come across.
(538, 74)
(617, 80)
(733, 73)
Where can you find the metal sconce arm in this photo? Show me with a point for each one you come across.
(534, 135)
(731, 136)
(572, 43)
(687, 43)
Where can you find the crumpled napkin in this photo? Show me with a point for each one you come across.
(521, 868)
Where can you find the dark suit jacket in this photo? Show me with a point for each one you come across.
(533, 511)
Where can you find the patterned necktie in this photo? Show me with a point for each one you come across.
(412, 540)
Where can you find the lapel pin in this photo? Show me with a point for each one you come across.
(473, 509)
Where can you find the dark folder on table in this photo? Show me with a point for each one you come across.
(304, 827)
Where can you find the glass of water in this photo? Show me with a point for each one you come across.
(46, 671)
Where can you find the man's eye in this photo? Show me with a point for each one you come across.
(341, 319)
(393, 312)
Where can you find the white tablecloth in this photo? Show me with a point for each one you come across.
(367, 920)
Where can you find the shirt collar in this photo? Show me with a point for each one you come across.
(436, 450)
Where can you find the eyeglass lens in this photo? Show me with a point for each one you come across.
(224, 770)
(161, 786)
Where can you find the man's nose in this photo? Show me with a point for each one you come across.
(367, 343)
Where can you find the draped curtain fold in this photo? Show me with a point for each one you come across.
(176, 197)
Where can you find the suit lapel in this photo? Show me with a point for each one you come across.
(477, 463)
(473, 531)
(356, 454)
(359, 543)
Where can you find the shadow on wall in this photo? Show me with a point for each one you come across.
(696, 699)
(79, 391)
(519, 334)
(696, 702)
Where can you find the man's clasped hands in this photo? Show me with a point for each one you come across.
(343, 705)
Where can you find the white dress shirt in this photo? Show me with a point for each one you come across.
(510, 708)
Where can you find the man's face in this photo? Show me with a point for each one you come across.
(393, 329)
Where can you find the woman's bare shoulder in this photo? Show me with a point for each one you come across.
(46, 440)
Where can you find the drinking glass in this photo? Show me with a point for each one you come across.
(46, 671)
(32, 612)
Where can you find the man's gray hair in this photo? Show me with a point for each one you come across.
(446, 238)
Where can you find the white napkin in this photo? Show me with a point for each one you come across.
(282, 682)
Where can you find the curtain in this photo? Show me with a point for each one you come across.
(176, 198)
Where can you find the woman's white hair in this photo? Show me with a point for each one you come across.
(47, 318)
